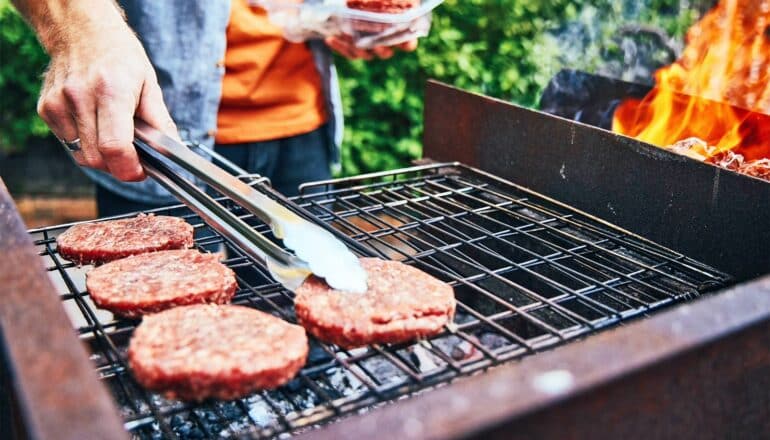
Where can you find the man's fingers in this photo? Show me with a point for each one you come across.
(408, 46)
(340, 47)
(152, 110)
(82, 107)
(54, 110)
(383, 52)
(346, 48)
(115, 133)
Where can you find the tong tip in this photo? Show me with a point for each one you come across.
(326, 256)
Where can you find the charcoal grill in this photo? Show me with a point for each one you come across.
(530, 273)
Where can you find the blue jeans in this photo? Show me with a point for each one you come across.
(287, 162)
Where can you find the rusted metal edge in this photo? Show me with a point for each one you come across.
(497, 402)
(54, 384)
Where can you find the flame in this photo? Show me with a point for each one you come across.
(718, 91)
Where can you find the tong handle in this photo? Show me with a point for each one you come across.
(212, 212)
(316, 248)
(262, 206)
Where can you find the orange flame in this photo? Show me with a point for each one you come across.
(715, 90)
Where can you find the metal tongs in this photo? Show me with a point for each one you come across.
(316, 250)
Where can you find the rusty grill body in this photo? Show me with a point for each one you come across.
(529, 272)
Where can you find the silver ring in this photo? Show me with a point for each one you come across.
(72, 146)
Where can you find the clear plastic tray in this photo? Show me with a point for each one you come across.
(310, 19)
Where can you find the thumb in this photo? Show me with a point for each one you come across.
(152, 110)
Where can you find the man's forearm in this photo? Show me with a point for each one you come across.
(59, 22)
(98, 81)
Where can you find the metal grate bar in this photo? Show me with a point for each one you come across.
(549, 259)
(609, 236)
(528, 273)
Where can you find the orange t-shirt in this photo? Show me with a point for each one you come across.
(271, 88)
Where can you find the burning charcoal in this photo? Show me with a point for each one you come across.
(423, 359)
(757, 168)
(344, 382)
(302, 396)
(163, 403)
(461, 317)
(463, 350)
(183, 428)
(693, 147)
(209, 416)
(317, 355)
(294, 386)
(493, 341)
(196, 433)
(230, 411)
(456, 347)
(382, 369)
(260, 412)
(176, 421)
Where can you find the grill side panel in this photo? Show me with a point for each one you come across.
(707, 213)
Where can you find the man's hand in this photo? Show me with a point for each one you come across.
(98, 80)
(344, 46)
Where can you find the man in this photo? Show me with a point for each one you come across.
(279, 115)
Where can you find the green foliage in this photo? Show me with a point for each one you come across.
(479, 45)
(22, 61)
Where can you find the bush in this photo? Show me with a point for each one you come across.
(479, 45)
(22, 62)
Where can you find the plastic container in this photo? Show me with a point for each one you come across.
(304, 20)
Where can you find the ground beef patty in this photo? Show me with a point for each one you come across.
(379, 6)
(109, 240)
(218, 351)
(401, 304)
(149, 283)
(387, 6)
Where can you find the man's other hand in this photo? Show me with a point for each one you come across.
(344, 46)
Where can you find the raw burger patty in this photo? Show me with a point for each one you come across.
(402, 303)
(387, 6)
(379, 6)
(109, 240)
(152, 282)
(218, 351)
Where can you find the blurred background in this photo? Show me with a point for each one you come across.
(509, 49)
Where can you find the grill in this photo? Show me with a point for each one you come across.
(528, 273)
(520, 230)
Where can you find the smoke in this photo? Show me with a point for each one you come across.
(621, 39)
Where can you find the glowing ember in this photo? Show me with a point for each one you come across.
(700, 150)
(714, 92)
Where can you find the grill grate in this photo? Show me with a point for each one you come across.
(528, 273)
